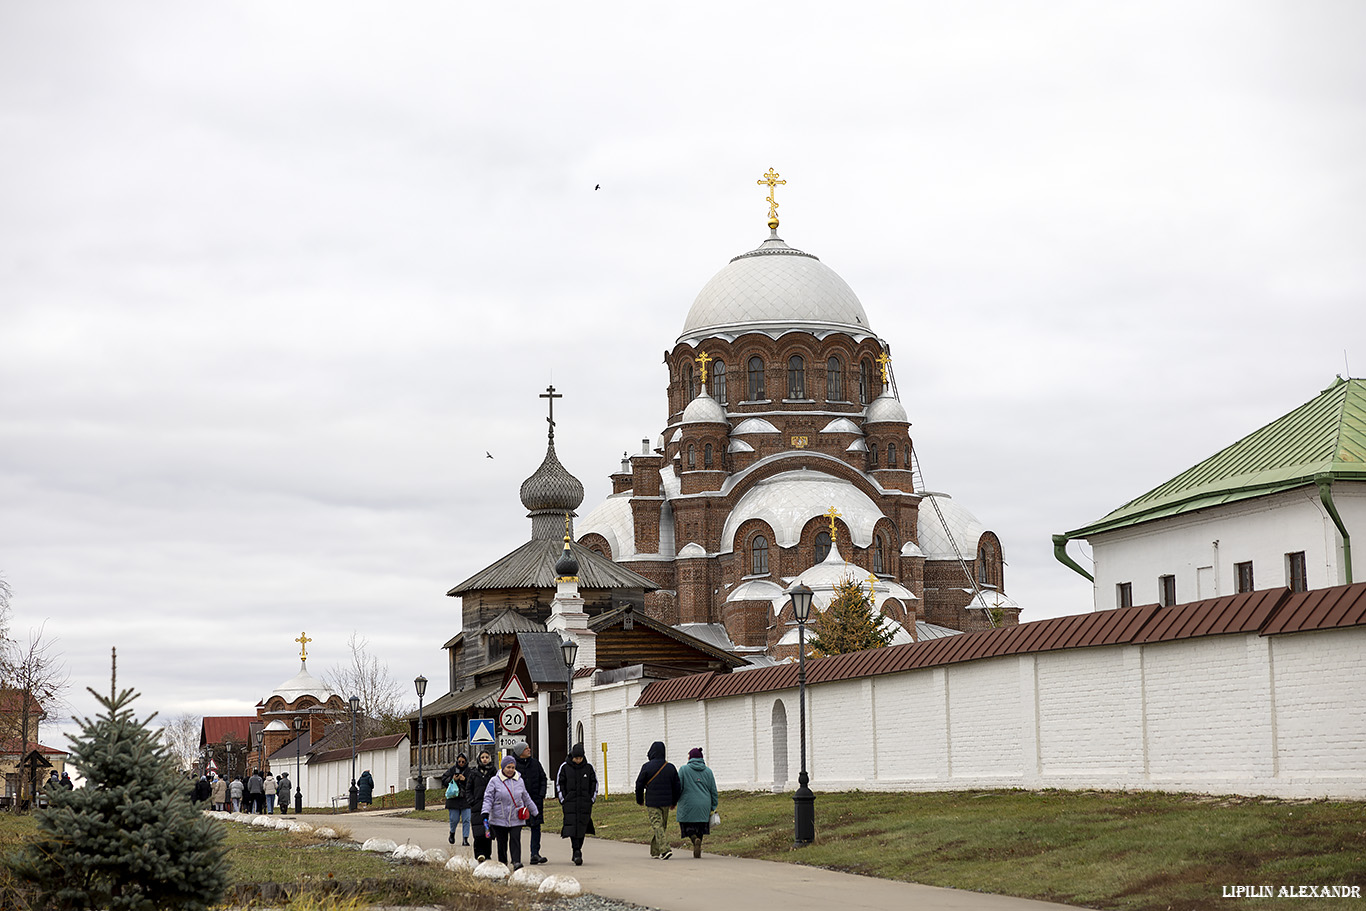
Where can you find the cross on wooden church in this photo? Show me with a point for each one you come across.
(552, 395)
(303, 641)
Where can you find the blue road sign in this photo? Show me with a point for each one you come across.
(481, 730)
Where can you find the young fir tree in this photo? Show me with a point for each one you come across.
(848, 624)
(130, 839)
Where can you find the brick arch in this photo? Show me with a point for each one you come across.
(893, 608)
(275, 704)
(995, 568)
(814, 461)
(597, 544)
(806, 542)
(744, 538)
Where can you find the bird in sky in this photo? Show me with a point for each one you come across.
(597, 186)
(487, 453)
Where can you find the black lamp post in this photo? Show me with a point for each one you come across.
(298, 753)
(803, 801)
(353, 802)
(570, 648)
(420, 797)
(227, 747)
(260, 758)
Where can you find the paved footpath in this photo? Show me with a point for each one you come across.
(684, 883)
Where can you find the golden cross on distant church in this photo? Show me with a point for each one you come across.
(883, 360)
(303, 641)
(704, 359)
(552, 395)
(771, 178)
(872, 589)
(832, 514)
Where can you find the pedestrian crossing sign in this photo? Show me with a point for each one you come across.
(481, 730)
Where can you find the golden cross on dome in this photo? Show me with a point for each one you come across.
(303, 641)
(872, 590)
(566, 531)
(883, 360)
(832, 514)
(704, 359)
(771, 178)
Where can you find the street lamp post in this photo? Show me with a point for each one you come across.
(570, 648)
(803, 801)
(420, 796)
(298, 752)
(227, 746)
(260, 758)
(353, 802)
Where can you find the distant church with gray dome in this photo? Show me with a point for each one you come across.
(787, 457)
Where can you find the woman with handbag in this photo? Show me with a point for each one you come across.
(456, 783)
(507, 807)
(698, 802)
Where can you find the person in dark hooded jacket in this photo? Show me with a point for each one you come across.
(537, 782)
(658, 790)
(576, 786)
(459, 806)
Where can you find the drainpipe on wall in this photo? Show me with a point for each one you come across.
(1060, 551)
(1325, 483)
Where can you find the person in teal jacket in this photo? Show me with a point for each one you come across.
(698, 800)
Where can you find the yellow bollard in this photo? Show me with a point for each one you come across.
(604, 770)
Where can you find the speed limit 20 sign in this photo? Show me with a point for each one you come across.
(513, 719)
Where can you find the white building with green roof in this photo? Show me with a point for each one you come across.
(1277, 508)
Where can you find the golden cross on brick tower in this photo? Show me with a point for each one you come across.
(832, 514)
(883, 360)
(303, 641)
(704, 359)
(771, 178)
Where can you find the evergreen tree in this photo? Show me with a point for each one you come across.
(130, 839)
(848, 624)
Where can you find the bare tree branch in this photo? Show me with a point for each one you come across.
(35, 681)
(382, 703)
(181, 736)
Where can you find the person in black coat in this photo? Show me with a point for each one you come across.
(658, 790)
(536, 781)
(479, 778)
(366, 786)
(576, 786)
(201, 794)
(459, 806)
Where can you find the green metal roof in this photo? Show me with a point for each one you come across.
(1325, 436)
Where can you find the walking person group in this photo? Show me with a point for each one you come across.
(690, 792)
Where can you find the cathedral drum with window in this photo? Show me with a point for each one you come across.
(784, 413)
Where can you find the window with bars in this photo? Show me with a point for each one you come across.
(758, 556)
(706, 456)
(822, 545)
(718, 381)
(891, 455)
(796, 377)
(1166, 590)
(834, 380)
(877, 554)
(692, 457)
(865, 381)
(1242, 573)
(1296, 572)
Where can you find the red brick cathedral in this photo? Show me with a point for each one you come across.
(788, 456)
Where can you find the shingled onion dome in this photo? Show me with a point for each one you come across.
(567, 567)
(549, 494)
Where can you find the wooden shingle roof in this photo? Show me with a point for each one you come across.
(533, 566)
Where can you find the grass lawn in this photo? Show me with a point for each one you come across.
(1139, 850)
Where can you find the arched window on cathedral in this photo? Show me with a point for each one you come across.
(834, 380)
(872, 456)
(891, 455)
(758, 556)
(877, 554)
(983, 577)
(865, 381)
(822, 545)
(688, 382)
(718, 381)
(796, 377)
(756, 379)
(692, 457)
(706, 456)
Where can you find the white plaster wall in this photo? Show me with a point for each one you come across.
(1263, 530)
(1279, 715)
(322, 781)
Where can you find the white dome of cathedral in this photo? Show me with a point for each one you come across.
(302, 684)
(965, 528)
(788, 500)
(776, 288)
(704, 410)
(885, 408)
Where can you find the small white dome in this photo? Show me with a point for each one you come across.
(774, 287)
(841, 425)
(690, 550)
(754, 425)
(739, 446)
(277, 725)
(886, 409)
(704, 410)
(302, 684)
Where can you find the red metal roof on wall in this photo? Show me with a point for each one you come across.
(1271, 611)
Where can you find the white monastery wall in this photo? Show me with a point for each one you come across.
(1278, 715)
(1262, 530)
(324, 782)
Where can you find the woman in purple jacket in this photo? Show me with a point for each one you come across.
(503, 797)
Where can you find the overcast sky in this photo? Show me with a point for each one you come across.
(274, 276)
